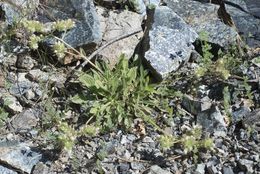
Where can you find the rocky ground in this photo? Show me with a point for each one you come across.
(202, 114)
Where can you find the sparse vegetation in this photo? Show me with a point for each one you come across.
(191, 141)
(115, 97)
(123, 103)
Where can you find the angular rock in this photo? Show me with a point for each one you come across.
(195, 106)
(200, 168)
(87, 29)
(246, 165)
(212, 121)
(123, 167)
(227, 170)
(12, 104)
(26, 120)
(168, 41)
(20, 156)
(38, 75)
(203, 17)
(246, 24)
(20, 89)
(25, 62)
(4, 170)
(137, 166)
(40, 168)
(240, 113)
(115, 24)
(155, 169)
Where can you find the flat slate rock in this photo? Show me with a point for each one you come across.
(19, 155)
(246, 23)
(26, 120)
(253, 7)
(203, 17)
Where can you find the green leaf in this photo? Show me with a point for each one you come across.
(79, 99)
(87, 80)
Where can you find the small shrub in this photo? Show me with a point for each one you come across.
(115, 97)
(226, 63)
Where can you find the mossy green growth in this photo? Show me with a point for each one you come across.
(166, 141)
(66, 137)
(248, 88)
(191, 141)
(3, 116)
(40, 31)
(59, 49)
(116, 96)
(33, 41)
(33, 26)
(63, 25)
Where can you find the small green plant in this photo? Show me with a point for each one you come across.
(3, 116)
(63, 25)
(248, 88)
(226, 63)
(191, 142)
(167, 141)
(66, 137)
(227, 101)
(59, 49)
(33, 26)
(115, 97)
(90, 130)
(39, 32)
(33, 41)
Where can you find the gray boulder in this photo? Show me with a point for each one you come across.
(247, 20)
(167, 43)
(87, 29)
(203, 17)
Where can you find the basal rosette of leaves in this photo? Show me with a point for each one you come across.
(115, 97)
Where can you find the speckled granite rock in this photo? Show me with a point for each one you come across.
(168, 41)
